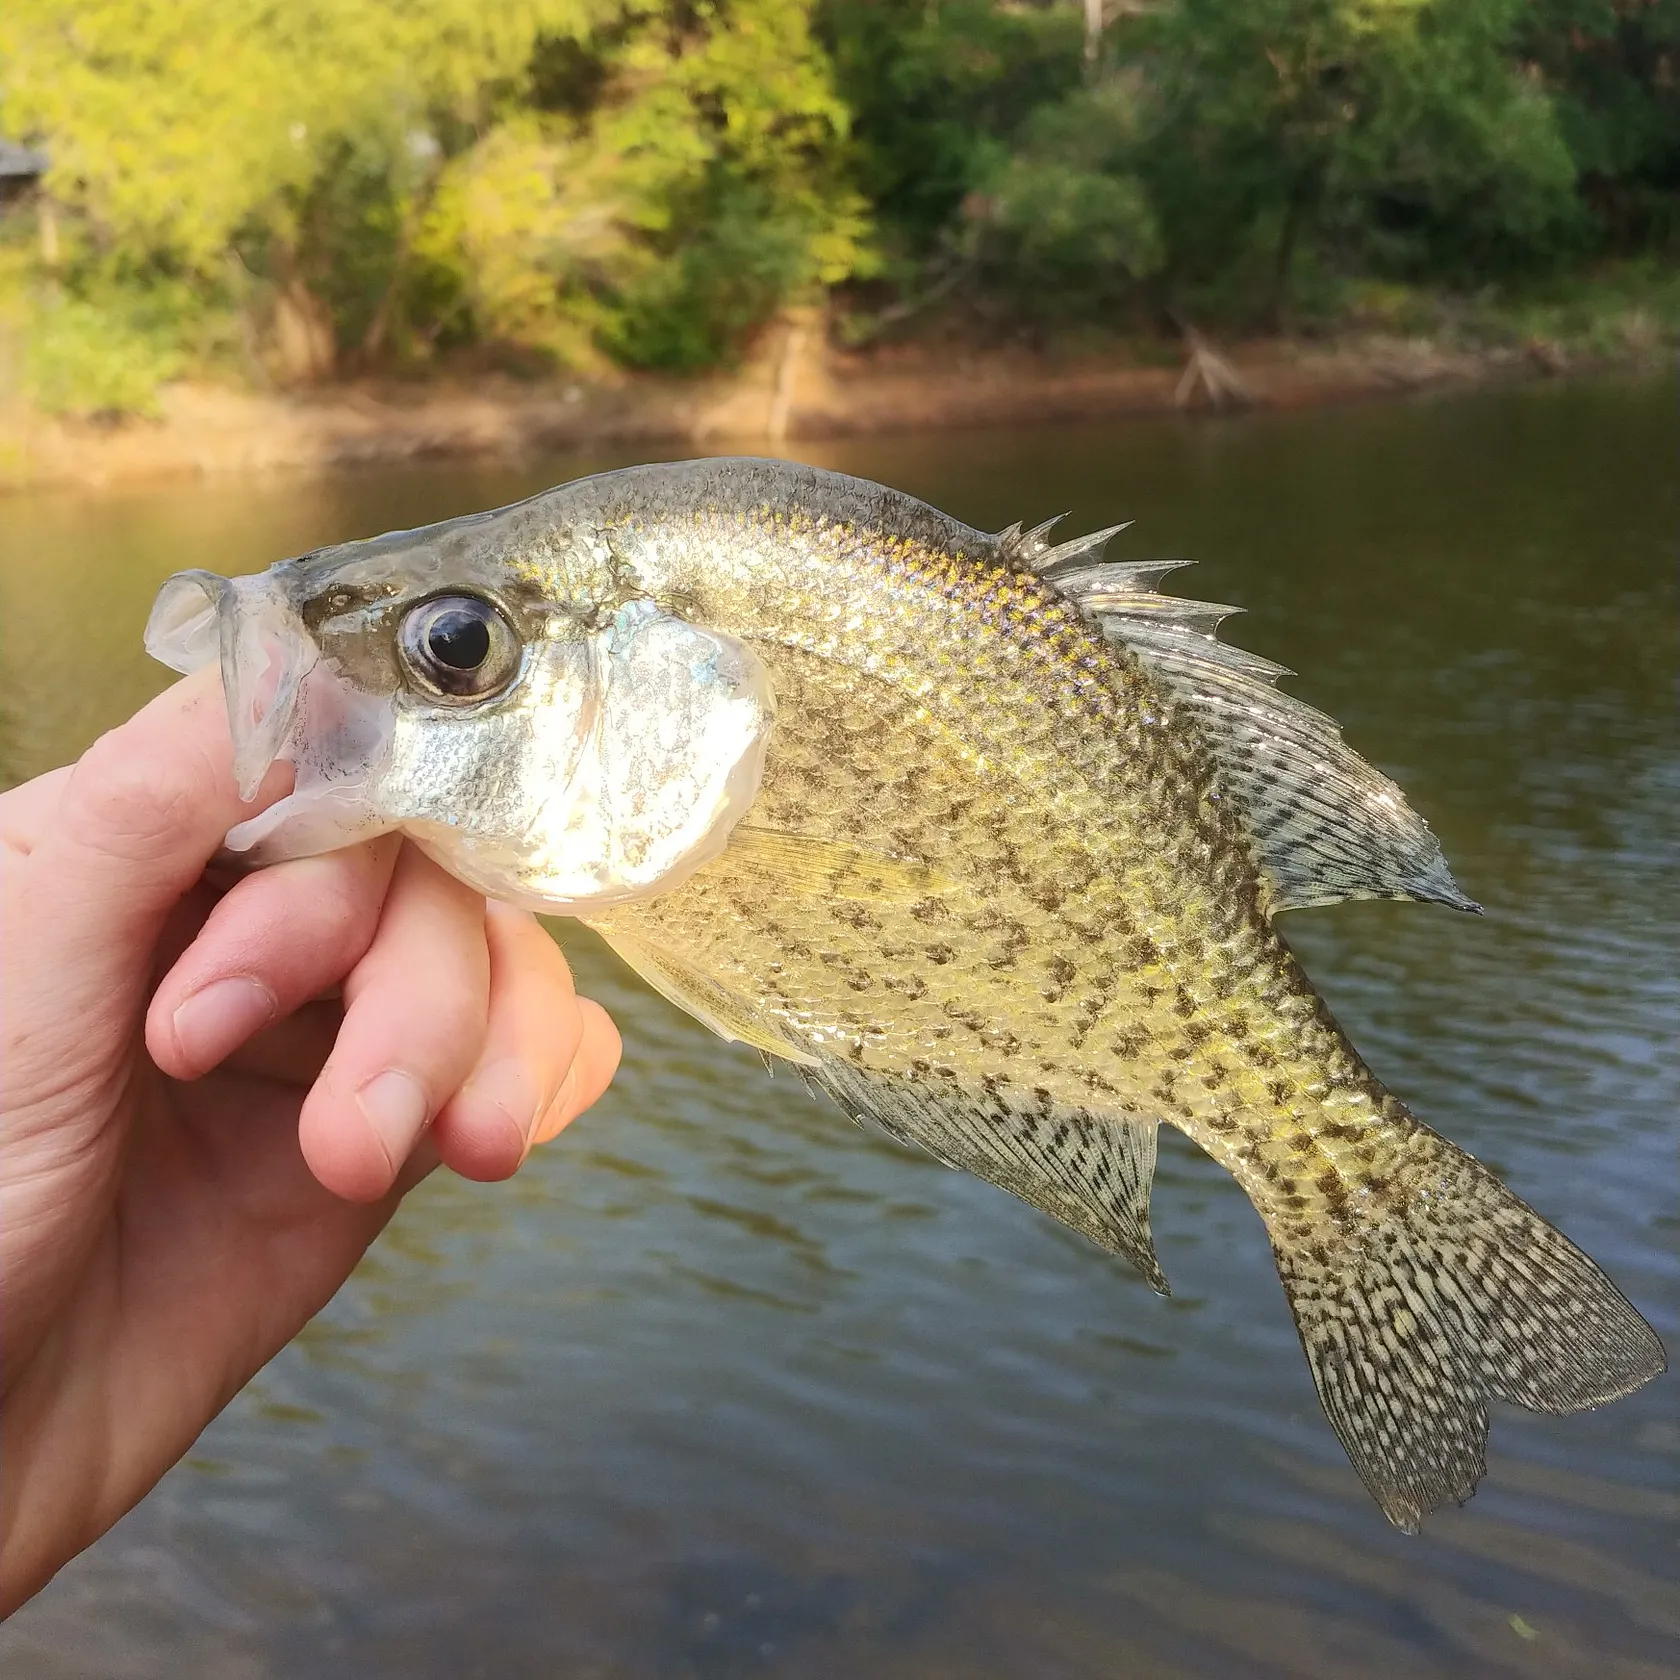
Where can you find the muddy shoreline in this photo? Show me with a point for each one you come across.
(790, 391)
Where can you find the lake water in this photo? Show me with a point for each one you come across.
(722, 1386)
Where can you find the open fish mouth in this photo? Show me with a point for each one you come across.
(265, 653)
(283, 702)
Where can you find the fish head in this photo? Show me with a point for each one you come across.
(552, 734)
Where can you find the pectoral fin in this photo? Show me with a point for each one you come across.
(699, 995)
(832, 869)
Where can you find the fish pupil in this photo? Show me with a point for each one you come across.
(458, 639)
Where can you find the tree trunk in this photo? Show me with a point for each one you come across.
(47, 212)
(303, 335)
(781, 395)
(1297, 211)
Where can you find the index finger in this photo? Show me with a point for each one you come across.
(139, 816)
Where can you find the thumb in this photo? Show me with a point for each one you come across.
(141, 813)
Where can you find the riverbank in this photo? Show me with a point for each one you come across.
(796, 388)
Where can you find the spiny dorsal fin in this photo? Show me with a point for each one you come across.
(1091, 1173)
(1034, 548)
(1326, 825)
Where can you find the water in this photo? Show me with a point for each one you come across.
(722, 1386)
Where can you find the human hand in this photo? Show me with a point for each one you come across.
(196, 1144)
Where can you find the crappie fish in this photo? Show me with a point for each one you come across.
(985, 835)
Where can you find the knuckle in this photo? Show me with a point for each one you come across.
(457, 1001)
(341, 907)
(297, 920)
(548, 1031)
(134, 803)
(439, 1004)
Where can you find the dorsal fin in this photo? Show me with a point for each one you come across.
(1034, 548)
(1091, 1172)
(1326, 825)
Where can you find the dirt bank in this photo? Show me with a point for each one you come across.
(796, 388)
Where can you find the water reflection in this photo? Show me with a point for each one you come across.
(723, 1386)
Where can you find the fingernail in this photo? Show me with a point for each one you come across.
(508, 1087)
(220, 1017)
(396, 1109)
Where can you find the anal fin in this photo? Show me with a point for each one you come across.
(1090, 1172)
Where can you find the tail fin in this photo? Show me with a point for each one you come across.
(1451, 1295)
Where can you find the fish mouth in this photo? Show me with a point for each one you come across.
(284, 701)
(266, 653)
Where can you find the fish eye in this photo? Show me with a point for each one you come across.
(458, 647)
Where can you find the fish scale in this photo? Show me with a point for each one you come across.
(1011, 867)
(986, 835)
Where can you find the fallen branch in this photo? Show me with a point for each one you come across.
(1209, 370)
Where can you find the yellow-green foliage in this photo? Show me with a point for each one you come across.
(294, 189)
(554, 231)
(384, 174)
(175, 123)
(517, 225)
(82, 357)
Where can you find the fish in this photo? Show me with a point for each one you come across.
(985, 834)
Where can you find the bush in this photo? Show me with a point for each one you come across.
(1066, 217)
(82, 358)
(1077, 233)
(733, 258)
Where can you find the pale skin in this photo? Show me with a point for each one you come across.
(215, 1091)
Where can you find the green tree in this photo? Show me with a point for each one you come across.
(1064, 217)
(1612, 69)
(937, 88)
(1398, 134)
(683, 184)
(371, 177)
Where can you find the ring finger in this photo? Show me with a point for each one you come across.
(532, 1040)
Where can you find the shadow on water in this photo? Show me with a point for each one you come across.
(724, 1387)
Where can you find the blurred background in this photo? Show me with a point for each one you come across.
(286, 194)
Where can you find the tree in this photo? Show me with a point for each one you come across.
(1612, 70)
(937, 88)
(1397, 134)
(373, 175)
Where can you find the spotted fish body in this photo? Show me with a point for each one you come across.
(1006, 889)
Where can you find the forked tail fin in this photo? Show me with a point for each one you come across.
(1454, 1294)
